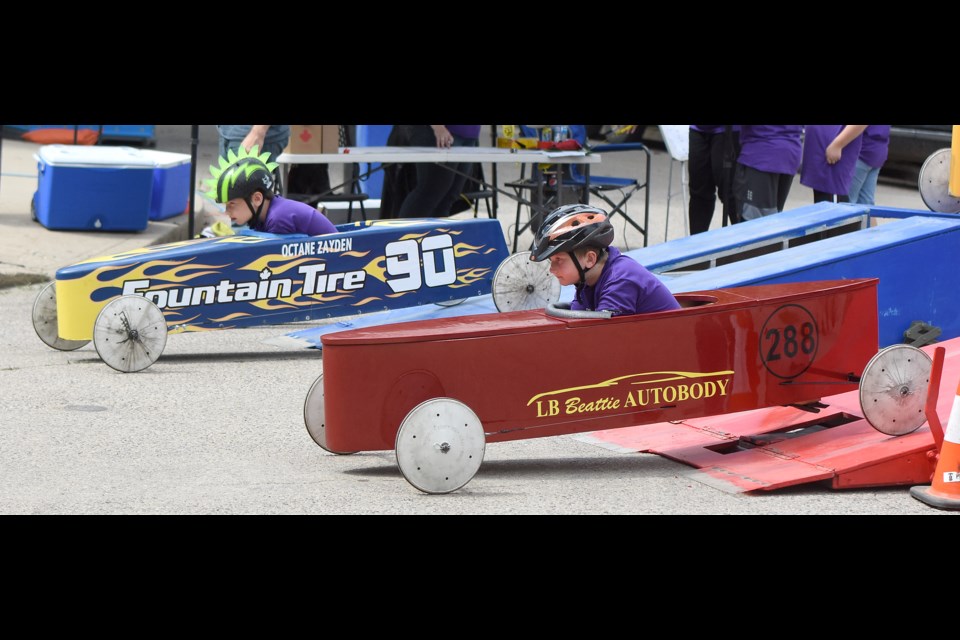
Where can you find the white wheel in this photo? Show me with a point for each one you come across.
(452, 303)
(45, 321)
(130, 333)
(440, 445)
(520, 284)
(315, 417)
(893, 389)
(934, 183)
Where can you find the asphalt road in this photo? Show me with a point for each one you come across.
(215, 426)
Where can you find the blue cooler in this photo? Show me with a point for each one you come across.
(171, 183)
(92, 187)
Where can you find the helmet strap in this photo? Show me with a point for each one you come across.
(255, 213)
(583, 271)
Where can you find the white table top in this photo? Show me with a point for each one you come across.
(432, 154)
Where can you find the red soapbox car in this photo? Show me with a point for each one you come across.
(436, 391)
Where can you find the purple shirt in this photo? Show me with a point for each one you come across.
(625, 287)
(293, 216)
(772, 148)
(464, 130)
(816, 173)
(876, 142)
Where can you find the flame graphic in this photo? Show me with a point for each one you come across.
(376, 268)
(277, 263)
(463, 249)
(111, 277)
(230, 317)
(356, 254)
(469, 276)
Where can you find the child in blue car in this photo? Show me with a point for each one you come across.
(244, 183)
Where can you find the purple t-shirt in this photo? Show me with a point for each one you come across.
(816, 173)
(293, 216)
(876, 143)
(464, 130)
(625, 287)
(772, 148)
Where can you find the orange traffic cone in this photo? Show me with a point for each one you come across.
(944, 493)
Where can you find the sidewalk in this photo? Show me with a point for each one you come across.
(31, 253)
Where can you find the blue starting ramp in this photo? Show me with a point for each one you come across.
(913, 253)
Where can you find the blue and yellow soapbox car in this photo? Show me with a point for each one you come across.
(128, 303)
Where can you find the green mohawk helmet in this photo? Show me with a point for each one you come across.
(240, 174)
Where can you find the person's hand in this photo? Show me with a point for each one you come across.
(256, 137)
(443, 136)
(834, 152)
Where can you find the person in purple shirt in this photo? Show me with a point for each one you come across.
(769, 160)
(873, 154)
(712, 154)
(244, 183)
(829, 158)
(576, 239)
(438, 186)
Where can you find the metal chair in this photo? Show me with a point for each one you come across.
(606, 187)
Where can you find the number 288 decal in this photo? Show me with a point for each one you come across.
(789, 341)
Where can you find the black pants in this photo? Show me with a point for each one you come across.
(823, 196)
(437, 186)
(707, 177)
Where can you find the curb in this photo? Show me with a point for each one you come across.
(12, 275)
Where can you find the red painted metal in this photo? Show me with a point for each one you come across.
(778, 447)
(527, 374)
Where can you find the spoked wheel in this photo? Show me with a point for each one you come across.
(451, 303)
(893, 389)
(440, 445)
(520, 284)
(130, 333)
(315, 417)
(45, 321)
(934, 183)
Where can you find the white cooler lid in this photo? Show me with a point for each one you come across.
(94, 156)
(165, 159)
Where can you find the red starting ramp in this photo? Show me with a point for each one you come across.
(772, 448)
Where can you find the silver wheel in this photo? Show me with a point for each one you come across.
(934, 183)
(130, 333)
(452, 303)
(520, 284)
(315, 417)
(45, 321)
(440, 445)
(893, 389)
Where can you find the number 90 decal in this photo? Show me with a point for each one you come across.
(789, 341)
(404, 271)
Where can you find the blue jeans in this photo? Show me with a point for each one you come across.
(863, 187)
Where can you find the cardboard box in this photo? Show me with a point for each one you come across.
(314, 138)
(95, 188)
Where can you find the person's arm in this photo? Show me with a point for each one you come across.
(443, 135)
(845, 137)
(257, 135)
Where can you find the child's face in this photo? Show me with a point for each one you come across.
(563, 268)
(238, 210)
